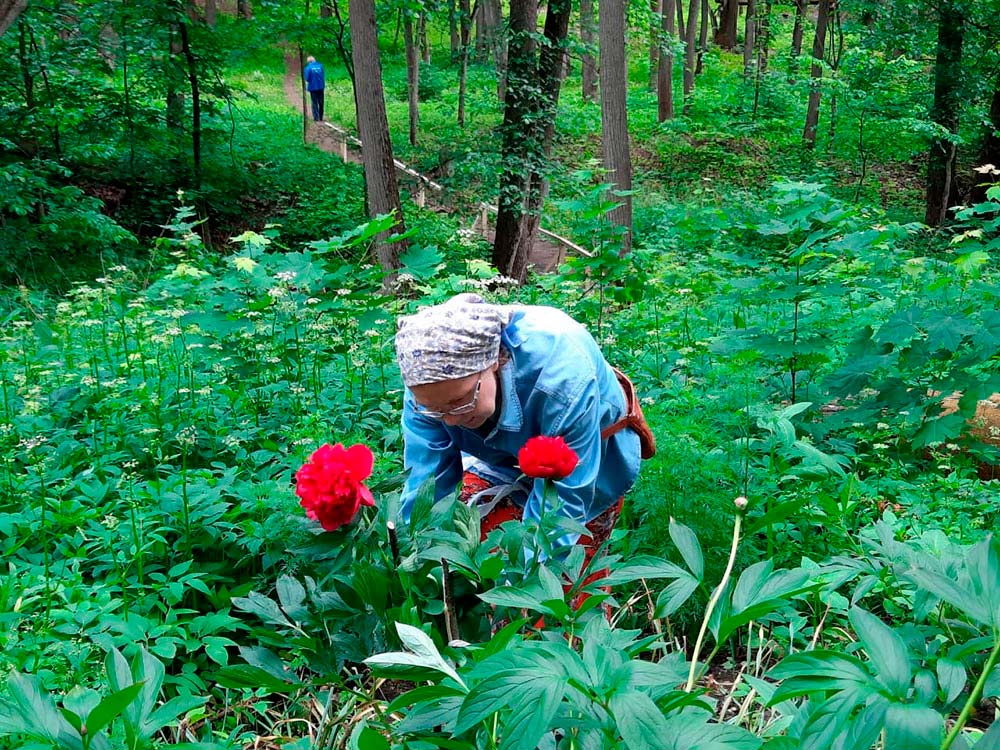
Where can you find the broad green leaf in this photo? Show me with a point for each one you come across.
(517, 689)
(423, 653)
(640, 722)
(691, 730)
(111, 706)
(885, 649)
(952, 592)
(990, 740)
(806, 672)
(951, 677)
(262, 606)
(909, 726)
(369, 739)
(642, 567)
(673, 596)
(246, 676)
(292, 597)
(687, 544)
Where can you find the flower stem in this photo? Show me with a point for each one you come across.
(737, 524)
(974, 696)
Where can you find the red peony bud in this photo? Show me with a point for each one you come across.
(547, 458)
(330, 485)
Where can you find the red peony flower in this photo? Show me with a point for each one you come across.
(330, 484)
(547, 458)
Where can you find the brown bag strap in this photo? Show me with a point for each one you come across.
(633, 419)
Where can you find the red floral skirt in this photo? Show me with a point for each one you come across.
(600, 528)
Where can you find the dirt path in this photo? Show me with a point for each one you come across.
(545, 256)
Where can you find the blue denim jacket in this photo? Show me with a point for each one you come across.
(556, 383)
(315, 76)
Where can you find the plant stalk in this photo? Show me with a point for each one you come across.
(974, 696)
(714, 600)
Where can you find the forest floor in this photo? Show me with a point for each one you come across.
(545, 256)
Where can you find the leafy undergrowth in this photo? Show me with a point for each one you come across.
(792, 350)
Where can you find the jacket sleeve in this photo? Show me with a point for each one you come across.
(578, 423)
(429, 451)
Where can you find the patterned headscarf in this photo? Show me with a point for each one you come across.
(449, 341)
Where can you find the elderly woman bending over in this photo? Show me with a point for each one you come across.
(481, 379)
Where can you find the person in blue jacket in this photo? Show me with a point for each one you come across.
(315, 78)
(481, 379)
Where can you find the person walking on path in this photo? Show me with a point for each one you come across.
(315, 78)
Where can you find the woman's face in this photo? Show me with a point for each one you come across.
(478, 390)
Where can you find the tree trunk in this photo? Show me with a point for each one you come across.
(453, 30)
(941, 189)
(498, 45)
(654, 40)
(412, 75)
(192, 72)
(763, 35)
(703, 36)
(27, 77)
(749, 38)
(373, 128)
(175, 99)
(425, 44)
(665, 71)
(614, 115)
(520, 107)
(690, 53)
(989, 153)
(793, 62)
(10, 10)
(588, 38)
(816, 73)
(465, 27)
(211, 13)
(729, 13)
(244, 10)
(681, 26)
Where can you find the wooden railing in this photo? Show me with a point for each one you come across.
(425, 183)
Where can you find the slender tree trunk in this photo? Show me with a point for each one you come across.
(453, 29)
(654, 40)
(589, 39)
(816, 74)
(989, 153)
(325, 9)
(614, 115)
(763, 35)
(465, 27)
(519, 149)
(175, 99)
(749, 38)
(793, 62)
(27, 76)
(373, 127)
(425, 44)
(703, 36)
(665, 71)
(10, 11)
(941, 189)
(728, 16)
(836, 44)
(690, 53)
(412, 75)
(681, 26)
(244, 9)
(127, 85)
(192, 72)
(211, 13)
(498, 44)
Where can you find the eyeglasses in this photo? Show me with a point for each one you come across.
(458, 410)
